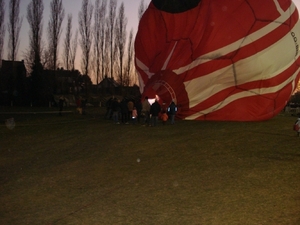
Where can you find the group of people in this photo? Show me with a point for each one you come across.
(152, 113)
(136, 111)
(80, 103)
(122, 110)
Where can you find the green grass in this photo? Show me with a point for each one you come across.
(75, 169)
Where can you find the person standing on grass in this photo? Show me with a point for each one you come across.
(172, 109)
(61, 102)
(130, 106)
(108, 104)
(297, 127)
(154, 112)
(146, 110)
(116, 110)
(83, 105)
(138, 105)
(124, 111)
(134, 115)
(78, 104)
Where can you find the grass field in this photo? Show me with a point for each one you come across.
(74, 169)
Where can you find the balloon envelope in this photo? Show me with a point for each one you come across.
(220, 59)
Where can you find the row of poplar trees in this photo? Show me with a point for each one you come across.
(107, 49)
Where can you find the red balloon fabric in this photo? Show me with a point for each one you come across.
(234, 60)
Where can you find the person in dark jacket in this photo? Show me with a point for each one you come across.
(146, 111)
(61, 103)
(172, 109)
(108, 104)
(116, 109)
(138, 105)
(124, 111)
(154, 111)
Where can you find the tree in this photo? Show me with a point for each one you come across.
(57, 15)
(74, 50)
(99, 37)
(2, 27)
(14, 27)
(46, 57)
(106, 60)
(85, 28)
(67, 44)
(121, 24)
(34, 17)
(33, 60)
(111, 28)
(142, 9)
(38, 85)
(128, 67)
(103, 40)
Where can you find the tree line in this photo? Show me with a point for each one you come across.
(107, 48)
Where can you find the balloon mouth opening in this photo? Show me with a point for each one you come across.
(152, 100)
(161, 91)
(175, 6)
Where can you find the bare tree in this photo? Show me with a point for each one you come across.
(2, 28)
(142, 9)
(67, 44)
(128, 67)
(28, 56)
(99, 37)
(46, 56)
(14, 27)
(54, 29)
(111, 28)
(74, 50)
(34, 17)
(85, 29)
(103, 38)
(121, 23)
(35, 11)
(106, 59)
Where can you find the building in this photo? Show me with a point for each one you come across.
(13, 82)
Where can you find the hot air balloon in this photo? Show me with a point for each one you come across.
(224, 60)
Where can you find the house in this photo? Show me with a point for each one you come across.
(12, 82)
(108, 86)
(108, 83)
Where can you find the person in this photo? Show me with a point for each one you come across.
(154, 111)
(138, 105)
(164, 117)
(61, 102)
(124, 111)
(172, 109)
(146, 110)
(116, 110)
(83, 105)
(108, 104)
(130, 106)
(134, 115)
(78, 104)
(297, 127)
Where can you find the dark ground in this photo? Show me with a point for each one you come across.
(75, 169)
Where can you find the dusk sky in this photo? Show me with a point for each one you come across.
(73, 7)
